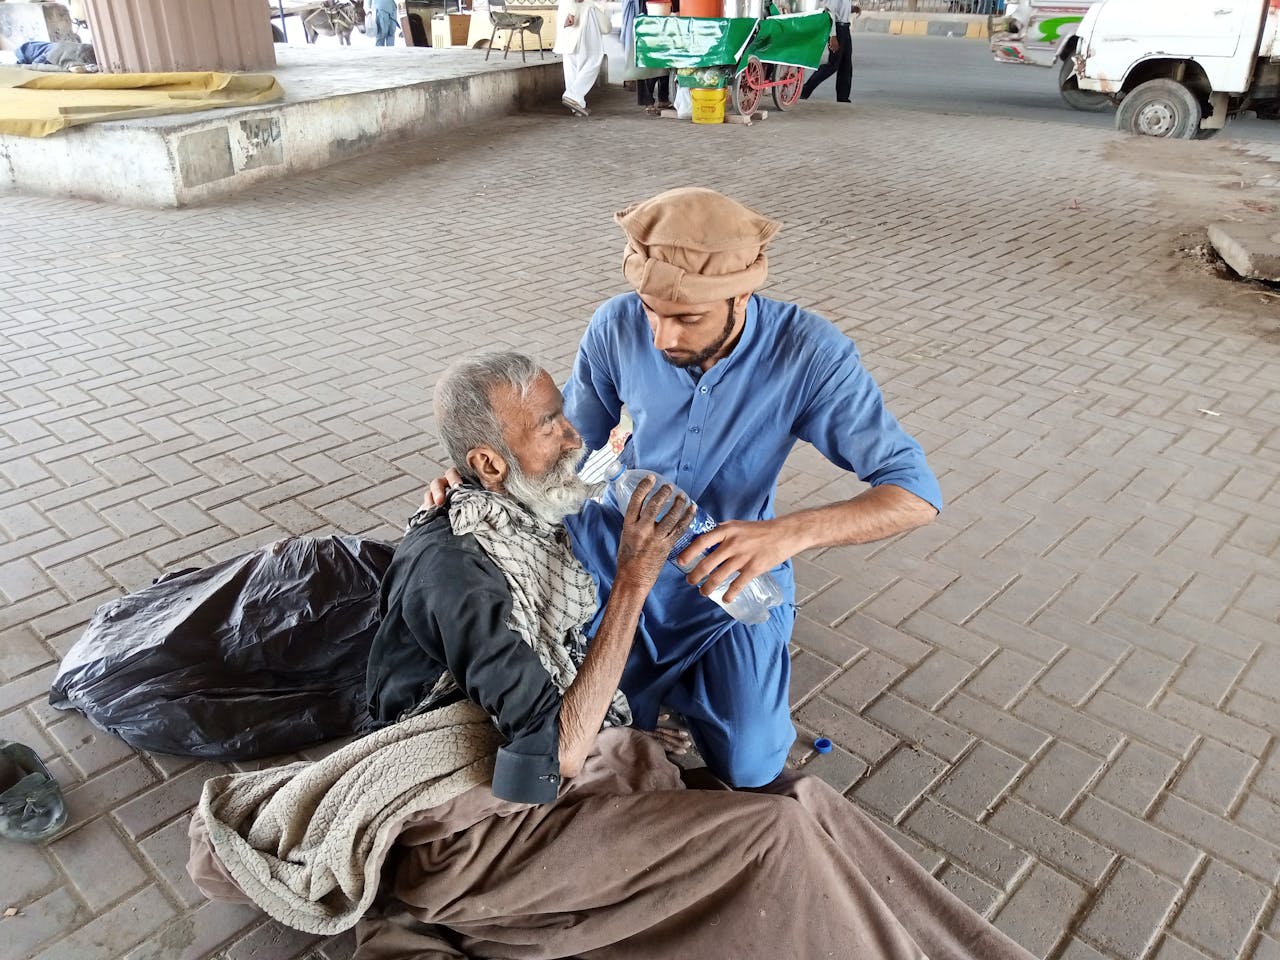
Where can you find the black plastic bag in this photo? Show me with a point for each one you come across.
(255, 656)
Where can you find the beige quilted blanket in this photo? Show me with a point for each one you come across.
(306, 842)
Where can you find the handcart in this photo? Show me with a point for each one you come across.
(747, 54)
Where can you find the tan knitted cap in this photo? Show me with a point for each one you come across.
(693, 245)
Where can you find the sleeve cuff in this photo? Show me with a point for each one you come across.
(526, 778)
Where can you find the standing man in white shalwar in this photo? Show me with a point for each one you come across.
(580, 29)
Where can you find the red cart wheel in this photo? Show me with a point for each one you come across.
(787, 86)
(747, 87)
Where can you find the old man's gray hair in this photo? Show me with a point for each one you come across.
(464, 401)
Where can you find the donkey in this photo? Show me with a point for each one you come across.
(334, 18)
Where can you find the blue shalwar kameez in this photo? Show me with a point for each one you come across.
(723, 436)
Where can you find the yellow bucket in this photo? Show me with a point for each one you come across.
(708, 105)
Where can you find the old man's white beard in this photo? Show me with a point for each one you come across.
(556, 494)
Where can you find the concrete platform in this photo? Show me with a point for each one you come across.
(1250, 249)
(339, 103)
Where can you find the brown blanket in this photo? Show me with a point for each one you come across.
(629, 864)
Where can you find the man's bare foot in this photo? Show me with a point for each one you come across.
(675, 740)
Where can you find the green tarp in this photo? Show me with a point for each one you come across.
(798, 39)
(691, 41)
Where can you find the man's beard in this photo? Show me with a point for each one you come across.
(556, 494)
(702, 356)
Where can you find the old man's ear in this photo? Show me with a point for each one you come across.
(488, 466)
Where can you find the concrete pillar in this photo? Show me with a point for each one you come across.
(20, 22)
(158, 36)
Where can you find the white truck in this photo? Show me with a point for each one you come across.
(1042, 33)
(1182, 68)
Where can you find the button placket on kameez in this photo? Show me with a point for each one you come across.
(700, 408)
(690, 450)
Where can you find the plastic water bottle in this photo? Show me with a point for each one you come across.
(752, 604)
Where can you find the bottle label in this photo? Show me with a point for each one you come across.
(701, 524)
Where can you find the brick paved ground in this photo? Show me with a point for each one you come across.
(1062, 696)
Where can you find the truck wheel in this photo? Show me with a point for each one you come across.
(1160, 108)
(1076, 98)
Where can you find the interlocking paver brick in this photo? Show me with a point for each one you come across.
(1220, 635)
(1077, 949)
(1141, 724)
(960, 640)
(42, 920)
(1003, 678)
(271, 941)
(1221, 911)
(976, 892)
(88, 748)
(1075, 675)
(99, 863)
(829, 719)
(167, 850)
(1259, 711)
(839, 768)
(341, 947)
(27, 875)
(1257, 856)
(1068, 723)
(824, 642)
(1040, 908)
(1011, 635)
(986, 853)
(1196, 716)
(100, 793)
(865, 680)
(1141, 677)
(895, 785)
(1136, 778)
(1208, 676)
(1128, 916)
(920, 727)
(994, 725)
(1214, 776)
(1171, 948)
(1137, 838)
(1058, 778)
(197, 934)
(934, 679)
(109, 935)
(1065, 847)
(809, 673)
(891, 641)
(1259, 815)
(979, 780)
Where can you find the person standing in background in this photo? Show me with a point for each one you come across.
(840, 45)
(384, 22)
(580, 40)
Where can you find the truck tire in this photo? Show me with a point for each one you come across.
(1078, 99)
(1160, 108)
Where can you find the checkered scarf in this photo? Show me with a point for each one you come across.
(552, 595)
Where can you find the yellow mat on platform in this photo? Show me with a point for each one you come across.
(38, 104)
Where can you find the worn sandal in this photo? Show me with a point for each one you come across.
(31, 804)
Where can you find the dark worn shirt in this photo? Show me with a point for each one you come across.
(446, 606)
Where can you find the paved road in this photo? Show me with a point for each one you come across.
(938, 74)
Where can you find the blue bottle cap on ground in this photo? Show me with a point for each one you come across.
(822, 745)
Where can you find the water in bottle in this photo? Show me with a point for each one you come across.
(752, 604)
